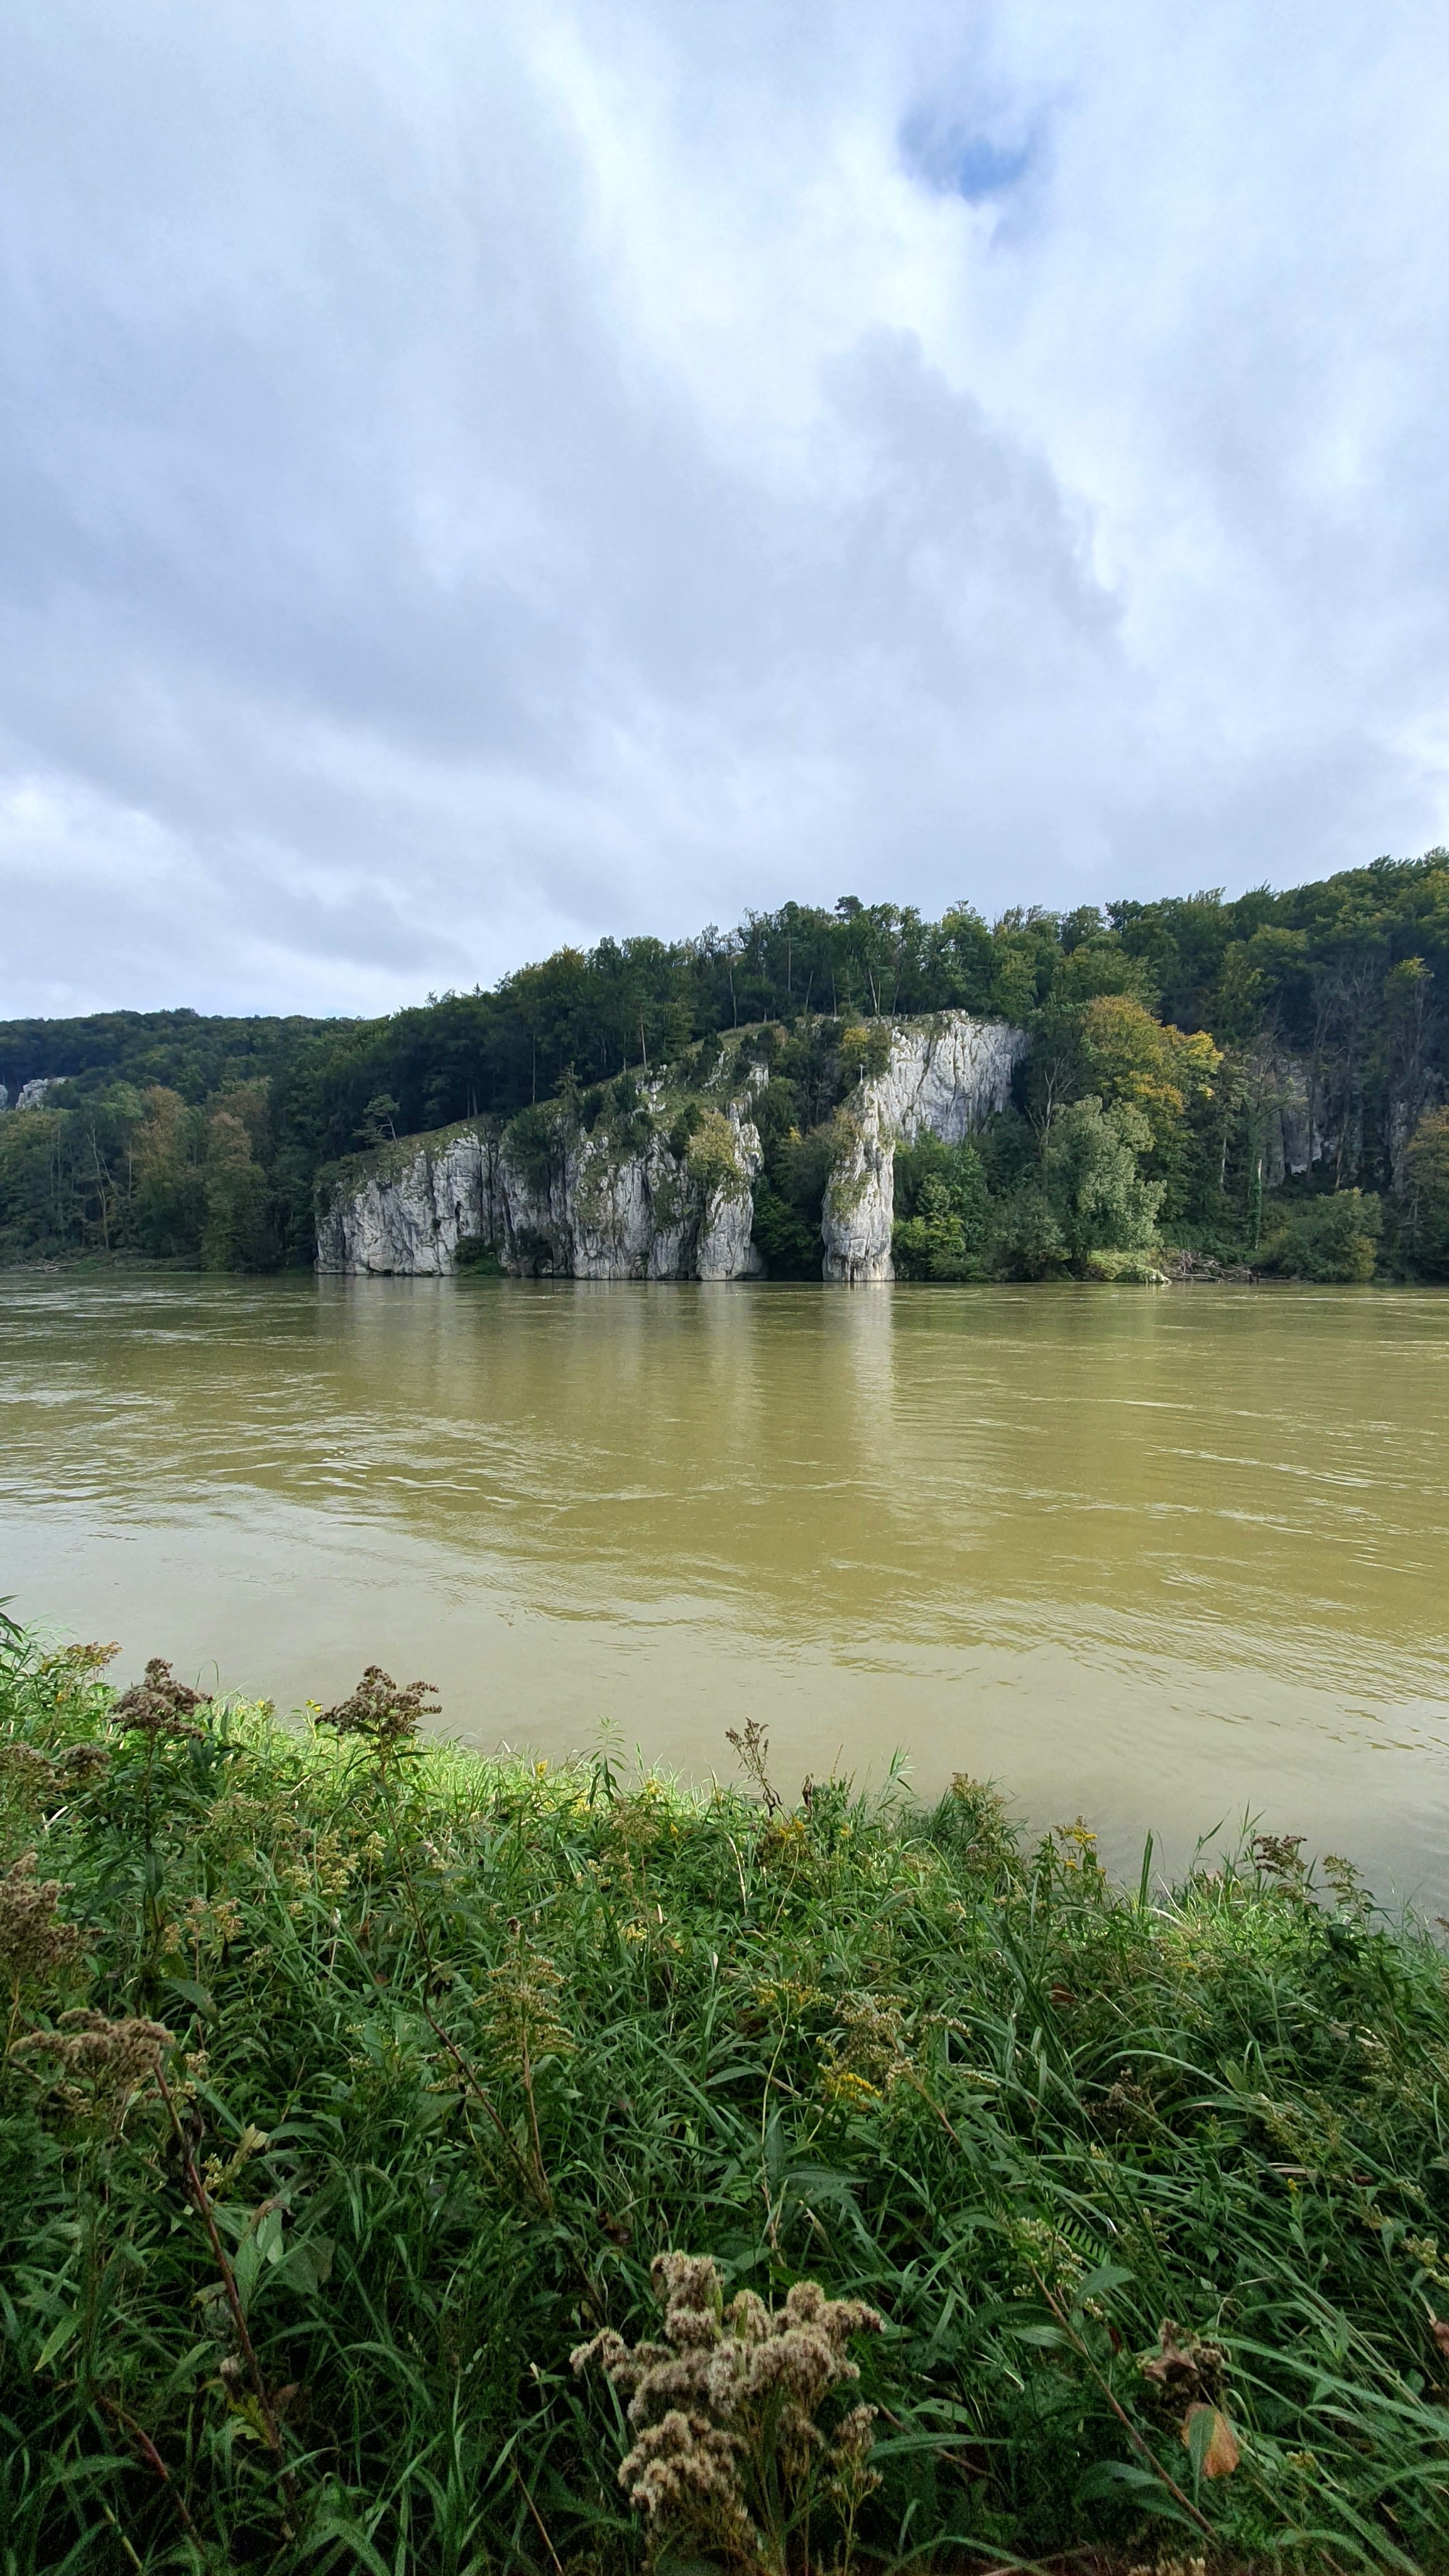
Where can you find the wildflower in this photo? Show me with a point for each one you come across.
(34, 1943)
(384, 1713)
(723, 2411)
(784, 1999)
(81, 1766)
(210, 1923)
(116, 2058)
(1046, 2253)
(26, 1773)
(159, 1705)
(1077, 1845)
(841, 2085)
(77, 1663)
(520, 2008)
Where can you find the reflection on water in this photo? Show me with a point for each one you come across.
(1156, 1557)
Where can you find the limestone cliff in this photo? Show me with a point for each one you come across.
(945, 1076)
(667, 1191)
(572, 1205)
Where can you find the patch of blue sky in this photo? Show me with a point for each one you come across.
(956, 161)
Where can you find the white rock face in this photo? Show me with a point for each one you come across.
(945, 1077)
(593, 1214)
(31, 1095)
(407, 1214)
(588, 1211)
(724, 1249)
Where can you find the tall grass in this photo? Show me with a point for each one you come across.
(1148, 2189)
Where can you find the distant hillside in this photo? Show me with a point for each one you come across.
(1315, 1016)
(189, 1052)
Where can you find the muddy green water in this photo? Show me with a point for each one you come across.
(1160, 1558)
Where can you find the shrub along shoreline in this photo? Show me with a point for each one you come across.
(352, 2085)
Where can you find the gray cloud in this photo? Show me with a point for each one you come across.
(474, 479)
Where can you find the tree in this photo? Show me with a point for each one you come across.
(1029, 1243)
(379, 1119)
(237, 1234)
(37, 1203)
(1426, 1193)
(169, 1194)
(1409, 1030)
(1095, 1191)
(941, 1192)
(1129, 1058)
(1331, 1238)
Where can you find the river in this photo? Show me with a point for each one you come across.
(1163, 1559)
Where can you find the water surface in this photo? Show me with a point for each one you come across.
(1158, 1558)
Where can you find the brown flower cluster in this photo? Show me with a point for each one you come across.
(38, 1778)
(25, 1773)
(34, 1942)
(112, 2056)
(159, 1705)
(727, 2449)
(385, 1713)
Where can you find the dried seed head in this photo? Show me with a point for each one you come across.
(159, 1705)
(1183, 2372)
(728, 2386)
(34, 1943)
(383, 1712)
(82, 1765)
(23, 1768)
(113, 2056)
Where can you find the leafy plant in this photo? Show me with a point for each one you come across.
(347, 2097)
(1333, 1238)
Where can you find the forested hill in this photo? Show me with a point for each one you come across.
(177, 1134)
(192, 1053)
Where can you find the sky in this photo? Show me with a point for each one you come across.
(480, 478)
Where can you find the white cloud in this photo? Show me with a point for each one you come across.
(472, 479)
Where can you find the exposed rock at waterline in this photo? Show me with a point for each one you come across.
(579, 1209)
(665, 1195)
(945, 1077)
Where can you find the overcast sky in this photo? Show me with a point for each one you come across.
(476, 477)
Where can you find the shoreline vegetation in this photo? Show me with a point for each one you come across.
(1258, 1083)
(413, 2162)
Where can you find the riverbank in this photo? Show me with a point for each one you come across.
(1147, 2188)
